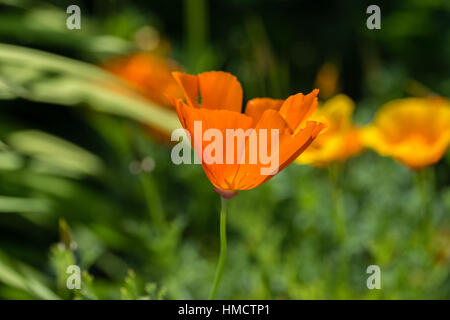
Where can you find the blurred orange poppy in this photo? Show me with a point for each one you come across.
(327, 80)
(340, 140)
(220, 108)
(148, 74)
(415, 131)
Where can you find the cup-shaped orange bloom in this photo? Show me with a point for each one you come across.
(414, 131)
(340, 140)
(148, 74)
(214, 99)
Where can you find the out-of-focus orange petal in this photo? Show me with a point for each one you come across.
(327, 80)
(256, 107)
(297, 108)
(220, 90)
(148, 74)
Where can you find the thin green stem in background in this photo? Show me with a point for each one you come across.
(223, 248)
(424, 181)
(334, 171)
(153, 200)
(196, 23)
(338, 214)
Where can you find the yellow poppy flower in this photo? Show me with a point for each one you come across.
(341, 138)
(414, 131)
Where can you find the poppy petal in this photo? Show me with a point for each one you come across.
(297, 108)
(189, 84)
(220, 174)
(256, 107)
(249, 174)
(290, 147)
(299, 142)
(220, 90)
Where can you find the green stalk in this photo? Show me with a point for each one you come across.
(153, 200)
(424, 181)
(196, 32)
(223, 248)
(334, 170)
(338, 215)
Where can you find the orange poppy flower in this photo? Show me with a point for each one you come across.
(148, 74)
(327, 80)
(415, 131)
(220, 108)
(341, 139)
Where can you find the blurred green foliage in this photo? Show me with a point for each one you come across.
(70, 133)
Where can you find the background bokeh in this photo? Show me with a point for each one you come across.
(83, 182)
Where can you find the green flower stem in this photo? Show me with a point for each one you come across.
(196, 16)
(153, 200)
(338, 215)
(424, 180)
(334, 171)
(223, 248)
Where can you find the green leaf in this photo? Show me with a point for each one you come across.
(23, 205)
(55, 152)
(18, 275)
(40, 76)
